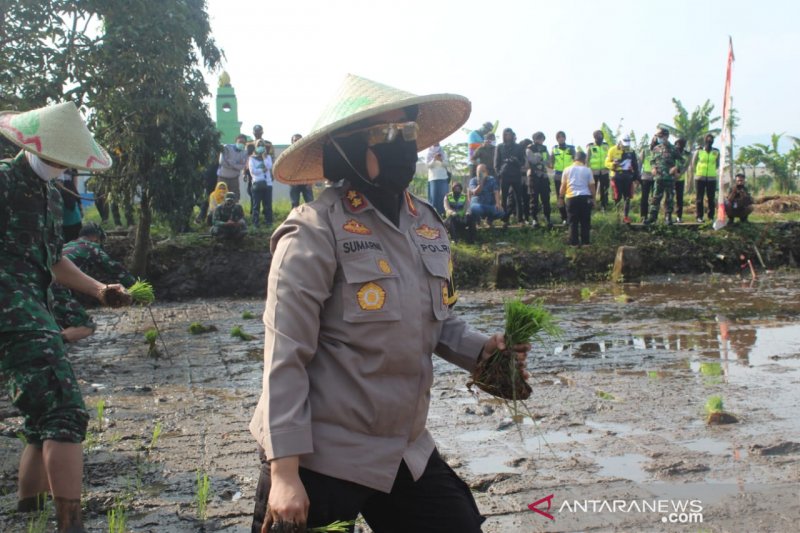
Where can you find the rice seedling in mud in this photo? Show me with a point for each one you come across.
(39, 522)
(117, 518)
(247, 315)
(151, 337)
(154, 437)
(716, 414)
(100, 408)
(196, 328)
(239, 333)
(142, 292)
(202, 494)
(340, 526)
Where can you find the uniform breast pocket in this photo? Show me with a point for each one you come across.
(370, 292)
(438, 267)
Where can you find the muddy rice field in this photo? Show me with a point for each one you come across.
(614, 437)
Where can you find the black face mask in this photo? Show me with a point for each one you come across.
(335, 167)
(738, 186)
(398, 163)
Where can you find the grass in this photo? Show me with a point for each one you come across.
(239, 333)
(202, 494)
(154, 437)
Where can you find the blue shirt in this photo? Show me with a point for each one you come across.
(486, 196)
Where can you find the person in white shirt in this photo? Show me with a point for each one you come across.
(578, 190)
(260, 165)
(438, 178)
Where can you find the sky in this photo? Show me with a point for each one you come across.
(533, 65)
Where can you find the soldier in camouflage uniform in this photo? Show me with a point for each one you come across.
(88, 255)
(229, 220)
(39, 377)
(666, 162)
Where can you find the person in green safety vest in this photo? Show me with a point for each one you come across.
(596, 154)
(459, 221)
(680, 181)
(646, 180)
(561, 157)
(706, 167)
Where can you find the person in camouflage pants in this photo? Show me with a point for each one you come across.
(666, 163)
(33, 362)
(229, 220)
(88, 255)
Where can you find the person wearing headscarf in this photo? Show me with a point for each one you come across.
(217, 198)
(359, 296)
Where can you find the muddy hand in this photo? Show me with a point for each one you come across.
(114, 295)
(497, 342)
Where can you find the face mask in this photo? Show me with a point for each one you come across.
(740, 186)
(660, 140)
(260, 149)
(709, 143)
(42, 169)
(240, 146)
(397, 162)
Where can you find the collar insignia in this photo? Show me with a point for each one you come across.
(354, 226)
(427, 232)
(410, 203)
(355, 200)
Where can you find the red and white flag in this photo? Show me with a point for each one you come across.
(722, 220)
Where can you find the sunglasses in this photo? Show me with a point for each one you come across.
(387, 133)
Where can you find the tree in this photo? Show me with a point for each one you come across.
(782, 168)
(149, 106)
(458, 159)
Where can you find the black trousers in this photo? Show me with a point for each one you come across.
(438, 502)
(262, 197)
(539, 188)
(514, 184)
(461, 227)
(562, 210)
(679, 188)
(622, 183)
(525, 201)
(604, 183)
(708, 189)
(647, 188)
(580, 216)
(296, 191)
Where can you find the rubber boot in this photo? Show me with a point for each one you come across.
(68, 516)
(32, 503)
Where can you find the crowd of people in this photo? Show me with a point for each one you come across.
(512, 178)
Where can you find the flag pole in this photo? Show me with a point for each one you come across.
(722, 220)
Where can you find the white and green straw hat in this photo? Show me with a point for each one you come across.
(57, 133)
(358, 99)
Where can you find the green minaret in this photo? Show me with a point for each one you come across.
(227, 110)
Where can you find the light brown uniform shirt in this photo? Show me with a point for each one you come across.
(355, 307)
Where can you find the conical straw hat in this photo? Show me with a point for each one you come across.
(56, 133)
(358, 99)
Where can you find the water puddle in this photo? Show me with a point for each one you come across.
(627, 466)
(622, 430)
(714, 447)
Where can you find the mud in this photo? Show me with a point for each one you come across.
(617, 413)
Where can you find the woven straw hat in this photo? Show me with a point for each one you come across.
(358, 99)
(56, 133)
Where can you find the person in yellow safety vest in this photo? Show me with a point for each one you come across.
(459, 221)
(624, 167)
(706, 167)
(561, 157)
(596, 153)
(680, 181)
(646, 180)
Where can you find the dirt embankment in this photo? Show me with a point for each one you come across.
(206, 268)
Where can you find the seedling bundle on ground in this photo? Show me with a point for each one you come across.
(151, 337)
(239, 333)
(715, 412)
(196, 328)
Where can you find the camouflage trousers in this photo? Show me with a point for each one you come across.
(42, 386)
(68, 311)
(664, 187)
(235, 232)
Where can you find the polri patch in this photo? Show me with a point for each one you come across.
(427, 232)
(354, 226)
(371, 297)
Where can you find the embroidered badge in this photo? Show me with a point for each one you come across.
(383, 264)
(355, 200)
(445, 294)
(410, 203)
(354, 226)
(371, 296)
(427, 232)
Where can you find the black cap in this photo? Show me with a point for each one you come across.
(91, 229)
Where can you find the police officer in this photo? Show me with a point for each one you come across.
(32, 355)
(538, 182)
(666, 163)
(87, 253)
(597, 152)
(358, 297)
(561, 157)
(706, 167)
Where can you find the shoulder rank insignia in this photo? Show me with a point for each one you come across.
(384, 266)
(410, 203)
(427, 232)
(354, 226)
(355, 200)
(371, 296)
